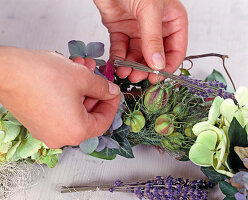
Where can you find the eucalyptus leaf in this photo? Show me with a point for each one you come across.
(89, 146)
(95, 49)
(212, 174)
(237, 137)
(77, 48)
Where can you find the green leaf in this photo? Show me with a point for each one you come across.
(237, 137)
(229, 198)
(124, 130)
(103, 155)
(227, 189)
(125, 149)
(54, 152)
(120, 135)
(216, 76)
(212, 174)
(28, 147)
(50, 161)
(185, 71)
(11, 131)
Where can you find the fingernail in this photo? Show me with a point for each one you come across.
(113, 88)
(158, 61)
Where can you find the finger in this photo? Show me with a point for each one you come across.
(135, 54)
(97, 87)
(78, 60)
(102, 116)
(175, 49)
(118, 47)
(150, 20)
(154, 78)
(90, 63)
(90, 103)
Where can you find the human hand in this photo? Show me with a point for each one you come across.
(55, 98)
(151, 31)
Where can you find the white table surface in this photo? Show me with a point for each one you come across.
(219, 26)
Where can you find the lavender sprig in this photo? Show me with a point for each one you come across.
(158, 188)
(211, 88)
(166, 188)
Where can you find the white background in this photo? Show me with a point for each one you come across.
(214, 26)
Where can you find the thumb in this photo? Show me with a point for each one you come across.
(99, 88)
(150, 21)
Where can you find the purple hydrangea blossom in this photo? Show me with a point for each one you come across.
(100, 143)
(106, 142)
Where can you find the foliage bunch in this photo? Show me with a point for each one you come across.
(17, 144)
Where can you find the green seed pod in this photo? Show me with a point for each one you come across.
(173, 141)
(188, 131)
(167, 145)
(176, 138)
(155, 98)
(136, 121)
(180, 111)
(164, 125)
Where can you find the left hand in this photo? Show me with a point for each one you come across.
(148, 31)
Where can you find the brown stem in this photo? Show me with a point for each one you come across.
(223, 57)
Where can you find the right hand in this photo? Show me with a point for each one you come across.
(48, 94)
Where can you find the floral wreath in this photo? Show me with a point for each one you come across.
(202, 121)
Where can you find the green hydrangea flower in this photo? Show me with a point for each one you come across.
(16, 143)
(212, 143)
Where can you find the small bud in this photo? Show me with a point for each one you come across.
(136, 121)
(155, 98)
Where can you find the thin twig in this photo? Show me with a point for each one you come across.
(223, 57)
